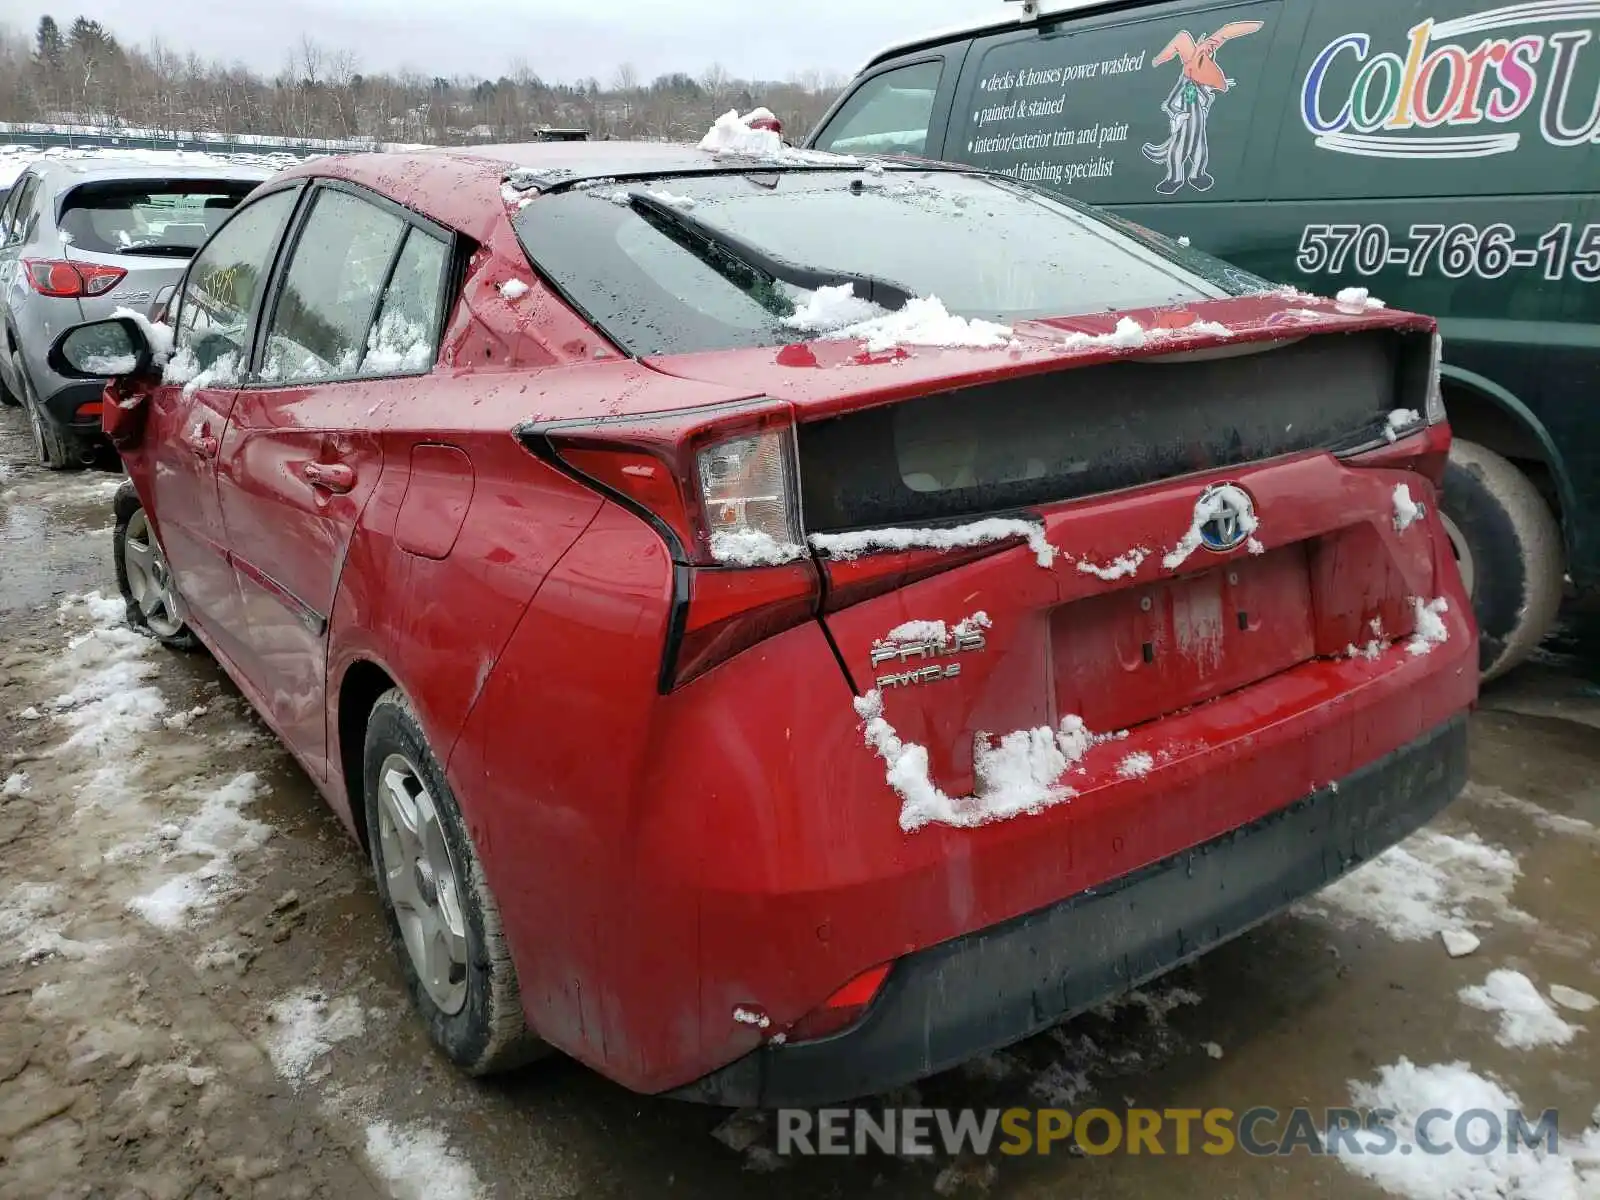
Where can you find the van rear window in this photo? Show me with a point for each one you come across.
(169, 219)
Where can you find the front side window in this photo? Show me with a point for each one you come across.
(219, 294)
(888, 114)
(329, 296)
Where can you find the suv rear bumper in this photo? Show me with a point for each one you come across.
(61, 407)
(948, 1003)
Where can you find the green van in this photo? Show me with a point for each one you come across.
(1444, 154)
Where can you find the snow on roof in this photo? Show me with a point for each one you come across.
(87, 160)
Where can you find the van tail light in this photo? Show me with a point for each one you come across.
(720, 486)
(842, 1009)
(64, 280)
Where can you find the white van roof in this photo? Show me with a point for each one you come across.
(1007, 16)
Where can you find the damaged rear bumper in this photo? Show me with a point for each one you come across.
(951, 1002)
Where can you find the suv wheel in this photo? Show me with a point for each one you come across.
(442, 918)
(1508, 546)
(144, 576)
(53, 448)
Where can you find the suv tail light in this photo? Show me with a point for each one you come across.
(720, 485)
(64, 280)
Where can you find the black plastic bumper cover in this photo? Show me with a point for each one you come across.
(966, 997)
(62, 405)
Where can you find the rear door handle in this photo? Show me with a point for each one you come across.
(329, 477)
(201, 443)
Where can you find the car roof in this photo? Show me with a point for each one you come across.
(593, 160)
(64, 172)
(1004, 18)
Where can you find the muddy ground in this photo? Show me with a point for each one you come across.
(197, 999)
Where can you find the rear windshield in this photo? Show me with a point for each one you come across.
(166, 219)
(984, 246)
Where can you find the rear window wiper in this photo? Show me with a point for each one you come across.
(882, 292)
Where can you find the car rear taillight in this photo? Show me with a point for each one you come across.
(720, 486)
(64, 280)
(842, 1009)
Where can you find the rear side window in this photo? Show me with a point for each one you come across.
(169, 219)
(26, 196)
(405, 337)
(219, 293)
(339, 265)
(1141, 111)
(888, 114)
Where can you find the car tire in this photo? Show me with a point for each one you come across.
(54, 449)
(1509, 548)
(8, 398)
(143, 576)
(442, 918)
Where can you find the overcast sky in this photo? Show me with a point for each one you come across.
(561, 40)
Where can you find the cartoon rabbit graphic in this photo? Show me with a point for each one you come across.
(1187, 152)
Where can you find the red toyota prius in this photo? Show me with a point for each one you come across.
(784, 625)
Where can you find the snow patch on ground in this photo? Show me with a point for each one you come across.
(217, 831)
(306, 1026)
(514, 289)
(1572, 998)
(1458, 943)
(1428, 884)
(1118, 568)
(957, 537)
(1526, 1018)
(1411, 1091)
(107, 702)
(1431, 629)
(1211, 506)
(1017, 776)
(418, 1163)
(16, 784)
(752, 548)
(1407, 511)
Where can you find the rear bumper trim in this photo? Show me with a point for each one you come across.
(951, 1002)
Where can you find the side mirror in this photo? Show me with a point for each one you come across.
(110, 349)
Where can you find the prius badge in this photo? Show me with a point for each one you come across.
(935, 651)
(1225, 516)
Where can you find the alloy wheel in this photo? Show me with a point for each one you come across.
(150, 578)
(423, 883)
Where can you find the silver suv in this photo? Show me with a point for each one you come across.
(79, 239)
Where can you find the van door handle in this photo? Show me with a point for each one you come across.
(329, 477)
